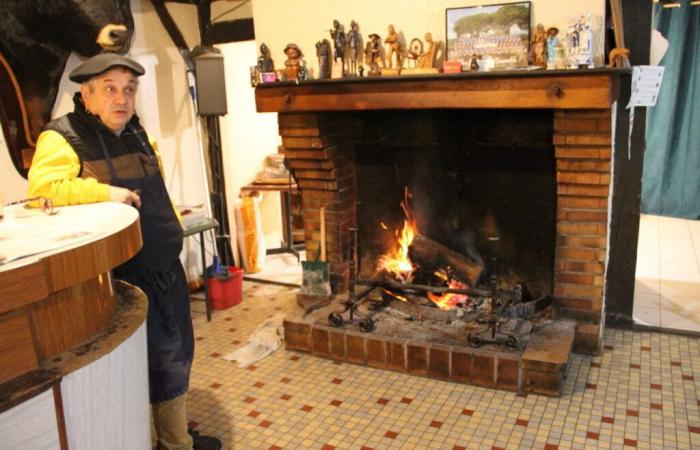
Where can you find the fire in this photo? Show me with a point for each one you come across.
(449, 300)
(397, 261)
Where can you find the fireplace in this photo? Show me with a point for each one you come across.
(482, 183)
(523, 156)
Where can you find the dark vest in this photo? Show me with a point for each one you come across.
(80, 129)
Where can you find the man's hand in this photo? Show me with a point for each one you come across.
(121, 195)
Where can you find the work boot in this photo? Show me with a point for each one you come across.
(202, 442)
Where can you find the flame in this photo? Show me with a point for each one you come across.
(397, 261)
(449, 300)
(399, 264)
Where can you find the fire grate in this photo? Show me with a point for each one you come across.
(502, 315)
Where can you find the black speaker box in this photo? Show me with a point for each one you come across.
(211, 84)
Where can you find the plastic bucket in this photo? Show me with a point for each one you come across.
(226, 291)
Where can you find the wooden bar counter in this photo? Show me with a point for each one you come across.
(67, 329)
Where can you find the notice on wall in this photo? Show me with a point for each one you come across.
(646, 83)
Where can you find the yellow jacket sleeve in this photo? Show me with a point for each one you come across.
(54, 174)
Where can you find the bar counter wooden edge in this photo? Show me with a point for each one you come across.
(60, 311)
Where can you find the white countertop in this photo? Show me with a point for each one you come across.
(27, 234)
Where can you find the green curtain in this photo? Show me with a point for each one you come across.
(671, 177)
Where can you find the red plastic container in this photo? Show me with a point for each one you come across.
(225, 292)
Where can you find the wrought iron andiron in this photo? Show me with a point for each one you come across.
(350, 306)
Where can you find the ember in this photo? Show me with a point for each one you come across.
(449, 300)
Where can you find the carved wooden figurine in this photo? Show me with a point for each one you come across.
(374, 55)
(265, 63)
(354, 47)
(539, 44)
(291, 65)
(338, 36)
(323, 52)
(395, 46)
(427, 59)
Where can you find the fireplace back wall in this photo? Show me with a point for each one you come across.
(473, 175)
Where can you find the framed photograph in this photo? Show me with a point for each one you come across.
(499, 35)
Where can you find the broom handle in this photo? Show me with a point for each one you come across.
(323, 234)
(618, 28)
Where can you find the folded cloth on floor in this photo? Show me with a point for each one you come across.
(265, 340)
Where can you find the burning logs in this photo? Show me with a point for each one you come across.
(415, 307)
(408, 287)
(433, 255)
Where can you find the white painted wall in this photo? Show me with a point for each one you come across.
(306, 21)
(248, 137)
(166, 111)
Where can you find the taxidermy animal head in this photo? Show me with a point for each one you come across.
(36, 38)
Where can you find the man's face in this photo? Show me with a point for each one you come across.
(111, 97)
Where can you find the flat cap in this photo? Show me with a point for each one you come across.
(101, 63)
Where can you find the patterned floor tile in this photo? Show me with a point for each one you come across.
(641, 392)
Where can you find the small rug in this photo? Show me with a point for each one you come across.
(264, 341)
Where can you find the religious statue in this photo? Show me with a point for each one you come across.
(265, 63)
(323, 52)
(555, 51)
(374, 55)
(580, 41)
(427, 59)
(538, 45)
(586, 46)
(395, 46)
(573, 38)
(293, 62)
(354, 47)
(338, 36)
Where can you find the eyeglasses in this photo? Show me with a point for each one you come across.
(45, 204)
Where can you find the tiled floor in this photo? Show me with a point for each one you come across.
(642, 392)
(667, 287)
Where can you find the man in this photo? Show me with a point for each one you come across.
(100, 152)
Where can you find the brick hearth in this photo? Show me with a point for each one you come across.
(539, 369)
(320, 148)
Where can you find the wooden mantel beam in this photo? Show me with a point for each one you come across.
(561, 89)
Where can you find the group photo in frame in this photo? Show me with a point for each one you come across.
(497, 35)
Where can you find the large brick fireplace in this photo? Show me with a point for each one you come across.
(320, 122)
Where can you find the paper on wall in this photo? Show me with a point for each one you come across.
(646, 83)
